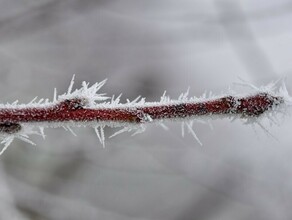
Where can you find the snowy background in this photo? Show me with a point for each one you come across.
(145, 47)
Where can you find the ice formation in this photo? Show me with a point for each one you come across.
(87, 107)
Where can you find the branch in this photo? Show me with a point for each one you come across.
(85, 107)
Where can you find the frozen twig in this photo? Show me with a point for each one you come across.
(86, 107)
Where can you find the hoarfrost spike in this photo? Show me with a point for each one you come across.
(139, 130)
(55, 95)
(71, 85)
(85, 85)
(210, 124)
(163, 126)
(163, 97)
(182, 129)
(99, 130)
(42, 132)
(125, 129)
(246, 84)
(6, 141)
(33, 100)
(71, 131)
(117, 100)
(97, 134)
(184, 96)
(15, 102)
(101, 84)
(68, 128)
(266, 131)
(273, 120)
(102, 135)
(190, 129)
(142, 101)
(25, 139)
(135, 100)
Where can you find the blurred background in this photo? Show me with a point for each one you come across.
(143, 48)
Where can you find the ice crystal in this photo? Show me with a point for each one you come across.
(76, 108)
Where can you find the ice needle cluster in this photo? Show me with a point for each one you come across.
(87, 107)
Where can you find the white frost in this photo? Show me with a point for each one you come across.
(94, 99)
(99, 130)
(190, 129)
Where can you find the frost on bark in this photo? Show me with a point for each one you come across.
(87, 107)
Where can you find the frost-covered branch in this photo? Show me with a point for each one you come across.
(86, 107)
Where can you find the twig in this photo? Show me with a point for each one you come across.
(85, 107)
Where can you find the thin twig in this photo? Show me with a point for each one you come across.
(86, 107)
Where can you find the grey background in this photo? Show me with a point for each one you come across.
(143, 48)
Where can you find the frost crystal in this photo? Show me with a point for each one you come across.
(87, 107)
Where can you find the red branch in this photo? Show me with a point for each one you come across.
(74, 110)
